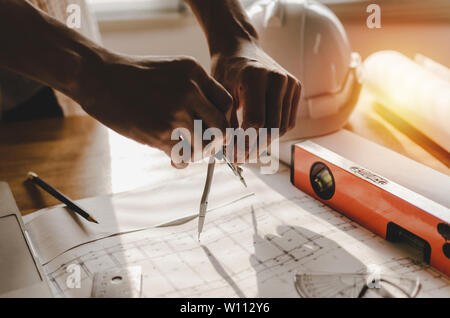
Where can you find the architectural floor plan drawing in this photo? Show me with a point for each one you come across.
(252, 248)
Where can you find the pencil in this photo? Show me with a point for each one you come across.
(61, 197)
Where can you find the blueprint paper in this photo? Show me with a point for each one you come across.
(251, 248)
(58, 229)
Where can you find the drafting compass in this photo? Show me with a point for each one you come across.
(209, 177)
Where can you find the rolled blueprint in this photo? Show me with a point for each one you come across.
(412, 92)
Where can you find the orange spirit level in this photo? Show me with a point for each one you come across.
(408, 203)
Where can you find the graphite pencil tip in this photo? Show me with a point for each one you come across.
(91, 219)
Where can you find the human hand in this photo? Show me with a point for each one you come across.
(265, 94)
(146, 99)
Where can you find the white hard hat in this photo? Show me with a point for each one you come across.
(309, 41)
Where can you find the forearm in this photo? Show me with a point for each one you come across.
(43, 49)
(224, 22)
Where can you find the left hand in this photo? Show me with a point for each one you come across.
(265, 94)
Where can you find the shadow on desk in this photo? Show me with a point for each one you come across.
(302, 250)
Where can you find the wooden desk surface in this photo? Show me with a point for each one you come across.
(82, 158)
